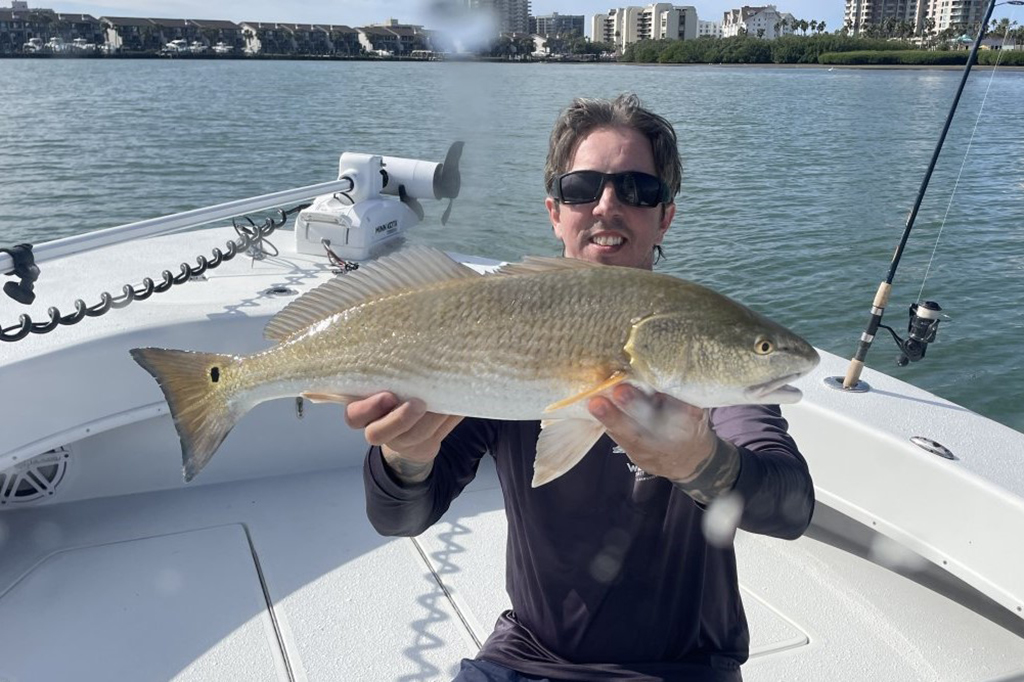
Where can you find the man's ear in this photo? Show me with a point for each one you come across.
(667, 214)
(553, 213)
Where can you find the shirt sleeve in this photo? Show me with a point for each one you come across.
(395, 508)
(773, 480)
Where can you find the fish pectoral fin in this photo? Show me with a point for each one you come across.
(562, 444)
(339, 398)
(614, 379)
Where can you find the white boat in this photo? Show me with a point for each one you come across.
(265, 567)
(82, 45)
(223, 48)
(176, 46)
(33, 45)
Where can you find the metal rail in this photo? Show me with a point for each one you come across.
(67, 246)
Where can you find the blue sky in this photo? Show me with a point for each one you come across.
(361, 12)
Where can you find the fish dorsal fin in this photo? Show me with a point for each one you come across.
(533, 264)
(411, 268)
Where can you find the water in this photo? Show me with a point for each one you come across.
(796, 186)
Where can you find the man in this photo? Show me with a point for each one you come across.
(608, 570)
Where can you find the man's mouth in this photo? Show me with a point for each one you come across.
(608, 240)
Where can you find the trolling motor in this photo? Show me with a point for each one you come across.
(359, 223)
(921, 330)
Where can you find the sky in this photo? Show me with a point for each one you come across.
(430, 13)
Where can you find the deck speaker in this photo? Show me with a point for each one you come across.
(34, 479)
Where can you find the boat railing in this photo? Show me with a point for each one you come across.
(66, 246)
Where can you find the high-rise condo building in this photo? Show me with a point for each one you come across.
(623, 26)
(557, 24)
(945, 13)
(761, 22)
(511, 16)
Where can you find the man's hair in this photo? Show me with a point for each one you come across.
(585, 115)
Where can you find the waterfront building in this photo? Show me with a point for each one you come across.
(509, 16)
(623, 26)
(557, 24)
(709, 29)
(308, 39)
(860, 14)
(214, 31)
(20, 25)
(378, 40)
(959, 14)
(267, 37)
(344, 40)
(79, 27)
(176, 30)
(760, 22)
(132, 34)
(920, 15)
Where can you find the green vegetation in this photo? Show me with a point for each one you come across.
(816, 49)
(923, 57)
(1001, 57)
(908, 57)
(749, 50)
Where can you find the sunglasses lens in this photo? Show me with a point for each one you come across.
(633, 188)
(638, 189)
(581, 187)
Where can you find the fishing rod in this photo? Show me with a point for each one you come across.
(924, 317)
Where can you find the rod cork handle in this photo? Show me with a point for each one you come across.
(877, 309)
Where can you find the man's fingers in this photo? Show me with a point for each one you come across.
(447, 426)
(395, 423)
(420, 431)
(361, 413)
(621, 427)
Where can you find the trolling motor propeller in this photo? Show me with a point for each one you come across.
(450, 180)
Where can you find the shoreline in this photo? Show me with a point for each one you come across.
(495, 60)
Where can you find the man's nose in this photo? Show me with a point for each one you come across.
(608, 200)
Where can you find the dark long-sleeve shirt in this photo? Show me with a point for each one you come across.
(608, 570)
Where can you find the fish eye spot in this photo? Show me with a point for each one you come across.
(215, 374)
(763, 346)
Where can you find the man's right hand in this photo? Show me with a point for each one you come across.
(409, 436)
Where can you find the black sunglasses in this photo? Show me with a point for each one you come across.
(633, 188)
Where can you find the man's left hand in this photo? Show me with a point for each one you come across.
(667, 437)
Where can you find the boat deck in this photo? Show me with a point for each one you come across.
(304, 589)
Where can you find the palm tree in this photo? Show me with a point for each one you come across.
(814, 25)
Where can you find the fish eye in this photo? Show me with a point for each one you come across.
(763, 346)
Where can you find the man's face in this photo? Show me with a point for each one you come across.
(608, 231)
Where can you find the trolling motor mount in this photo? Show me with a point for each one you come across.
(921, 330)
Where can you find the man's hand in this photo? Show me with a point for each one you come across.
(409, 436)
(667, 437)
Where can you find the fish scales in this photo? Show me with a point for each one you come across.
(464, 339)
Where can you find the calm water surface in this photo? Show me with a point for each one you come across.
(797, 182)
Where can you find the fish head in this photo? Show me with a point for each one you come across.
(730, 355)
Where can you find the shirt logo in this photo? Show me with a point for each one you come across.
(639, 473)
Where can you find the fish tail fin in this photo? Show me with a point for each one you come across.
(200, 396)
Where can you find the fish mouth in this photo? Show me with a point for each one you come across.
(776, 391)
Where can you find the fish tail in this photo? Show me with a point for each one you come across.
(200, 395)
